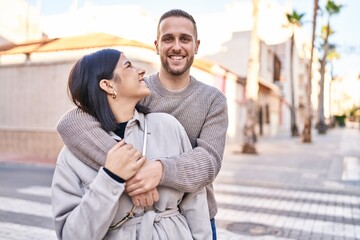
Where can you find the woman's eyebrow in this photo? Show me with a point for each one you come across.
(127, 62)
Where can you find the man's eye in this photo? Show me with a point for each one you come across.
(185, 39)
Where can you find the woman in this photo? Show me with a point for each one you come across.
(93, 205)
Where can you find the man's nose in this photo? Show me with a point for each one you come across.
(177, 45)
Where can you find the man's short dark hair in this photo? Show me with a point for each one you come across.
(177, 13)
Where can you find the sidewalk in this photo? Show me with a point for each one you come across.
(292, 190)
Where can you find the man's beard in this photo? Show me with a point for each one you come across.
(177, 72)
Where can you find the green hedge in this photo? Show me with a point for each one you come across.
(340, 120)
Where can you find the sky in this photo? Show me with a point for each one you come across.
(346, 37)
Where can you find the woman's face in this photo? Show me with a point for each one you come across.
(129, 80)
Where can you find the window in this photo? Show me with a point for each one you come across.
(267, 113)
(277, 68)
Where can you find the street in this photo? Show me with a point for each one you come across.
(25, 205)
(289, 190)
(292, 190)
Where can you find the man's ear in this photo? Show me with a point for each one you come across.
(105, 85)
(197, 44)
(156, 46)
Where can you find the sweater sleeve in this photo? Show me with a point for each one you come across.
(91, 143)
(198, 168)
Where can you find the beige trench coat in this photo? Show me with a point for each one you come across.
(86, 202)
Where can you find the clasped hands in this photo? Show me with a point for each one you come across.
(142, 176)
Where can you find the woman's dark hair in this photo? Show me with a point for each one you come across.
(84, 86)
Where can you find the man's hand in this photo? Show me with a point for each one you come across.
(146, 178)
(146, 199)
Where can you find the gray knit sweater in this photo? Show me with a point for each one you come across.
(200, 108)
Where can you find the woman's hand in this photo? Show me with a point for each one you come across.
(124, 160)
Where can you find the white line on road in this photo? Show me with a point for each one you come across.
(300, 224)
(11, 231)
(36, 190)
(351, 168)
(291, 194)
(291, 206)
(25, 207)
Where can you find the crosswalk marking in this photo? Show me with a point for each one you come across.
(36, 190)
(289, 194)
(291, 201)
(286, 205)
(223, 234)
(11, 231)
(260, 197)
(351, 168)
(307, 225)
(25, 207)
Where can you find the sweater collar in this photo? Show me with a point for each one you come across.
(155, 82)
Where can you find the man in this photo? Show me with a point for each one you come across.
(200, 108)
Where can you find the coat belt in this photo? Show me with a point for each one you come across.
(148, 219)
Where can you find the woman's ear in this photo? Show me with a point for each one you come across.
(105, 85)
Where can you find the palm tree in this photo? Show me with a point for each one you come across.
(306, 134)
(331, 8)
(332, 55)
(294, 21)
(252, 86)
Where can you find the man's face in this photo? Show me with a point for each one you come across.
(176, 45)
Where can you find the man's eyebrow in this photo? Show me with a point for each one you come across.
(167, 35)
(186, 35)
(181, 35)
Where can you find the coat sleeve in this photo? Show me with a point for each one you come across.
(194, 207)
(78, 215)
(198, 168)
(92, 142)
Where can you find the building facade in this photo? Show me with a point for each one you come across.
(34, 87)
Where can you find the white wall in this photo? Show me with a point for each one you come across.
(33, 96)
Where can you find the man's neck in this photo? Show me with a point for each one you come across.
(174, 83)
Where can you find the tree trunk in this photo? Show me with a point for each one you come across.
(306, 134)
(252, 86)
(321, 126)
(294, 128)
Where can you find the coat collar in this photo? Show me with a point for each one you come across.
(137, 119)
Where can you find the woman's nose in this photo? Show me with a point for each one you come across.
(141, 71)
